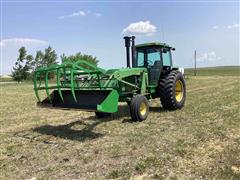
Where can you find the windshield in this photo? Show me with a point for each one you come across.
(147, 57)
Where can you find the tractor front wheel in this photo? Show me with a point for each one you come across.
(172, 90)
(139, 108)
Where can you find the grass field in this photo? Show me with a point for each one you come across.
(215, 71)
(201, 141)
(2, 79)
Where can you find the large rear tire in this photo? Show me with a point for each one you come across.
(172, 90)
(139, 108)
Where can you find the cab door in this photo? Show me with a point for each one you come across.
(154, 65)
(151, 59)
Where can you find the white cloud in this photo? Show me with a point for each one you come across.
(80, 13)
(94, 13)
(142, 28)
(74, 14)
(207, 57)
(22, 42)
(233, 26)
(97, 14)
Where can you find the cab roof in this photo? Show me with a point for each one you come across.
(153, 44)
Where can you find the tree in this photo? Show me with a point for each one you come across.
(46, 58)
(78, 56)
(21, 70)
(26, 64)
(49, 57)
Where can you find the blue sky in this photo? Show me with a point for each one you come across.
(96, 28)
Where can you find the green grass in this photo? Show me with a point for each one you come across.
(200, 141)
(215, 71)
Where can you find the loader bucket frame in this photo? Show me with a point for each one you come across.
(68, 93)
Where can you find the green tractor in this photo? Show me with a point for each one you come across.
(81, 85)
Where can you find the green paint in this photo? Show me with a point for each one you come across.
(110, 104)
(58, 85)
(144, 83)
(72, 86)
(35, 86)
(46, 85)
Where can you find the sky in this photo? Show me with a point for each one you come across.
(97, 28)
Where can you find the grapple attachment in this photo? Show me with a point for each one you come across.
(78, 85)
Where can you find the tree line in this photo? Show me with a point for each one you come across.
(26, 63)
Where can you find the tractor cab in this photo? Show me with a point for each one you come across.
(150, 54)
(156, 57)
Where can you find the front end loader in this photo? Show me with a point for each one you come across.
(81, 85)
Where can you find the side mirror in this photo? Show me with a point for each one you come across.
(173, 49)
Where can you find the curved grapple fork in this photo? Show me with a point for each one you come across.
(72, 85)
(58, 73)
(46, 86)
(35, 86)
(73, 91)
(59, 84)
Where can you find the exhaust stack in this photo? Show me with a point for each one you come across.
(127, 45)
(130, 42)
(133, 52)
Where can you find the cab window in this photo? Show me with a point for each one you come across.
(166, 58)
(152, 57)
(147, 57)
(140, 58)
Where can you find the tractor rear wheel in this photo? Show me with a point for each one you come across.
(139, 108)
(102, 115)
(172, 90)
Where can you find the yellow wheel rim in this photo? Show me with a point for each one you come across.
(179, 91)
(143, 108)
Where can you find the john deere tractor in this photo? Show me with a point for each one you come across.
(81, 85)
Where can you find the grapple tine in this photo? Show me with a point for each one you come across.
(46, 86)
(35, 86)
(64, 70)
(81, 62)
(72, 86)
(58, 85)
